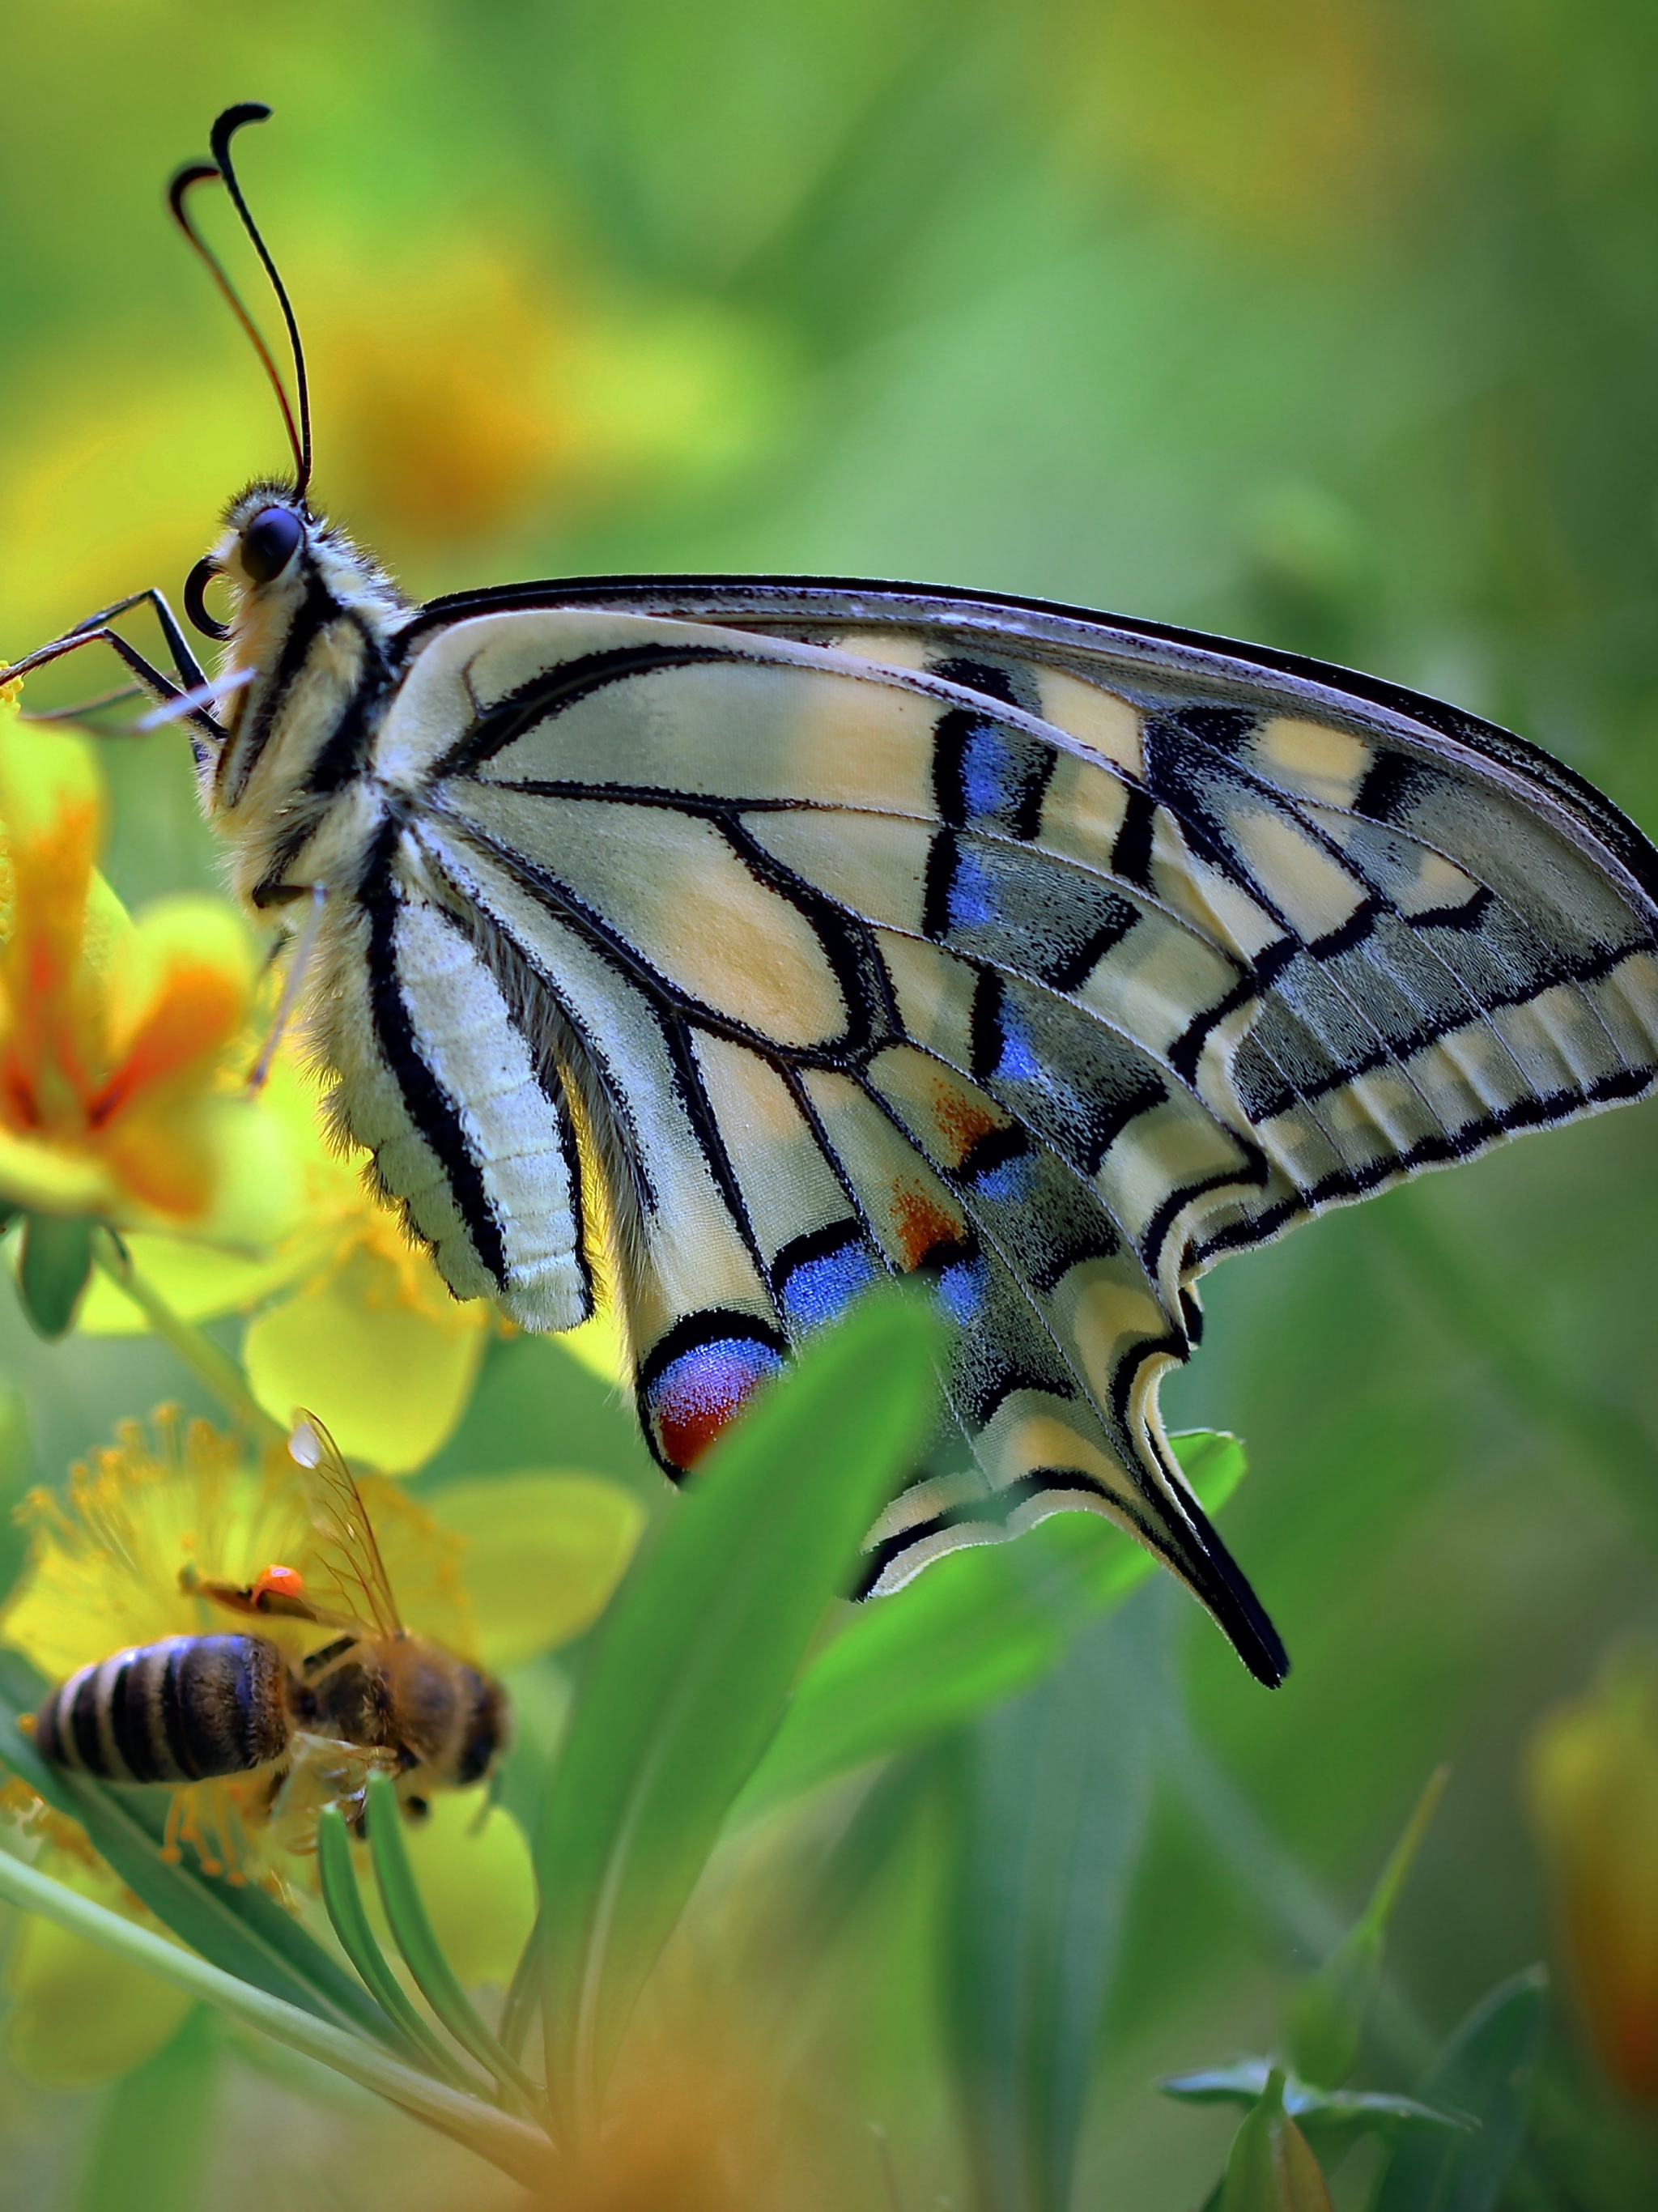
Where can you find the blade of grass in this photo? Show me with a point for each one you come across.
(423, 1954)
(524, 1995)
(1486, 2071)
(240, 1929)
(978, 1627)
(693, 1666)
(521, 2151)
(1051, 1824)
(344, 1902)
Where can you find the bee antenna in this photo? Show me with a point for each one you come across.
(222, 169)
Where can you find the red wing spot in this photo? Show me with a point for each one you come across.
(921, 1225)
(962, 1121)
(695, 1397)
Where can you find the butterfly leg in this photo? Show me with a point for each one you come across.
(83, 708)
(303, 949)
(188, 675)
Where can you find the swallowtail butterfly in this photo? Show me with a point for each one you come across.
(739, 941)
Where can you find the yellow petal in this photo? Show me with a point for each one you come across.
(476, 1885)
(258, 1182)
(44, 771)
(198, 1281)
(103, 1566)
(52, 1178)
(80, 2015)
(601, 1347)
(189, 935)
(543, 1554)
(425, 1565)
(389, 1377)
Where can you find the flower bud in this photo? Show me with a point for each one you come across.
(1592, 1773)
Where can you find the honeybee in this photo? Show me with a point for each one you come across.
(195, 1709)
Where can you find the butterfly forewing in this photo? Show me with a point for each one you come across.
(1050, 966)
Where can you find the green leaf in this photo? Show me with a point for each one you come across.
(1332, 2008)
(342, 1900)
(521, 2151)
(1485, 2070)
(422, 1953)
(1052, 1821)
(238, 1927)
(693, 1662)
(978, 1627)
(1333, 2118)
(52, 1272)
(1271, 2167)
(16, 1470)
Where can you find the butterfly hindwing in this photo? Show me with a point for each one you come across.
(1043, 969)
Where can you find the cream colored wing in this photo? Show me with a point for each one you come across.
(1048, 976)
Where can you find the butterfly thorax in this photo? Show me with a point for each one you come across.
(288, 786)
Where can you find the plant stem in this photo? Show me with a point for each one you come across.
(216, 1369)
(523, 2152)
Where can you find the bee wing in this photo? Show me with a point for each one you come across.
(345, 1576)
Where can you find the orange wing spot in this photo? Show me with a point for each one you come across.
(921, 1225)
(962, 1122)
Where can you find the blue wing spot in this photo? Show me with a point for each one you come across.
(818, 1285)
(699, 1393)
(1018, 1060)
(992, 774)
(965, 1289)
(973, 899)
(1011, 1182)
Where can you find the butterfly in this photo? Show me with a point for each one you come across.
(728, 945)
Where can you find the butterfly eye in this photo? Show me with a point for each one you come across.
(269, 543)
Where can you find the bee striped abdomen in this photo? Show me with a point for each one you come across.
(182, 1710)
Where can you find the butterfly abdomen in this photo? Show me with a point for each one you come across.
(181, 1710)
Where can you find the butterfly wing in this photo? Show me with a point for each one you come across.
(861, 933)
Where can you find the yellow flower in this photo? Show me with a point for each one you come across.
(116, 1100)
(502, 1570)
(372, 1336)
(1593, 1775)
(347, 1315)
(104, 1564)
(486, 396)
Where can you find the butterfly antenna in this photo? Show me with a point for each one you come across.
(222, 170)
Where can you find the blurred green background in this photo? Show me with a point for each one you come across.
(1321, 322)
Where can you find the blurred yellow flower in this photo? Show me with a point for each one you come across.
(548, 1549)
(79, 2015)
(485, 397)
(1592, 1771)
(349, 1316)
(371, 1335)
(116, 1099)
